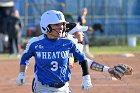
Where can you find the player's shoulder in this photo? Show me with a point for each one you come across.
(67, 41)
(36, 39)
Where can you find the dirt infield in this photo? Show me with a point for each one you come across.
(102, 83)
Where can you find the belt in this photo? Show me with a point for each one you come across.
(56, 85)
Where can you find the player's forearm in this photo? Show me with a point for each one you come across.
(98, 67)
(84, 67)
(22, 68)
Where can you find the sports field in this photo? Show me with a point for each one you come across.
(102, 82)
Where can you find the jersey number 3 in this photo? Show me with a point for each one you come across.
(54, 65)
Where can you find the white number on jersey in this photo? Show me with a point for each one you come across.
(54, 65)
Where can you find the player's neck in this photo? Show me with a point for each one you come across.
(50, 36)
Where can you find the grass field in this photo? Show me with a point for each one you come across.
(114, 50)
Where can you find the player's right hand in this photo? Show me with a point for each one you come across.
(20, 79)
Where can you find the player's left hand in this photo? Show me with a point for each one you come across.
(119, 70)
(86, 82)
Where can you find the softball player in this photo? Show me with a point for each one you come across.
(75, 34)
(51, 53)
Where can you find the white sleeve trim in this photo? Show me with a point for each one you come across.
(105, 69)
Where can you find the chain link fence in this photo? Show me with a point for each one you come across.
(119, 19)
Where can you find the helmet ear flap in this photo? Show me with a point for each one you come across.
(64, 30)
(47, 29)
(43, 28)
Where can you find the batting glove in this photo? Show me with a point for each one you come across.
(20, 79)
(86, 82)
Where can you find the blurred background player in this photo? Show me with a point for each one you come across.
(82, 20)
(51, 53)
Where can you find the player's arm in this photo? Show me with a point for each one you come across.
(97, 66)
(84, 67)
(22, 68)
(24, 62)
(21, 76)
(86, 82)
(118, 71)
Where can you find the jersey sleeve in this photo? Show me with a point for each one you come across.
(27, 53)
(77, 53)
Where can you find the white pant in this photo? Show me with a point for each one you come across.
(39, 88)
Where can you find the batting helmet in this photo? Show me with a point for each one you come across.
(51, 17)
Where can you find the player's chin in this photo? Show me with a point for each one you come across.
(58, 37)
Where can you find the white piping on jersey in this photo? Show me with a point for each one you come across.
(32, 40)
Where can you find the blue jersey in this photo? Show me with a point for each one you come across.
(51, 58)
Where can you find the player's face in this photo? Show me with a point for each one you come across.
(79, 35)
(57, 30)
